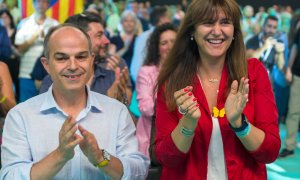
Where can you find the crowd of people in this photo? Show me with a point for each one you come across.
(205, 84)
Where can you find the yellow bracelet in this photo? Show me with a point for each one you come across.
(3, 99)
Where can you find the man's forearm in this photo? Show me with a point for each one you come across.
(48, 167)
(114, 169)
(279, 59)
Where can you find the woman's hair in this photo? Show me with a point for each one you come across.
(128, 13)
(293, 29)
(181, 64)
(152, 56)
(12, 23)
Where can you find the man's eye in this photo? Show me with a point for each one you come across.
(62, 58)
(81, 58)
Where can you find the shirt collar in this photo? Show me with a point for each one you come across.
(50, 103)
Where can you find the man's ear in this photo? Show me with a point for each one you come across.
(45, 63)
(93, 57)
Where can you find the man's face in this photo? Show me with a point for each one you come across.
(41, 6)
(164, 20)
(270, 28)
(70, 62)
(99, 41)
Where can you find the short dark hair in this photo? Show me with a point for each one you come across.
(55, 28)
(157, 13)
(270, 17)
(84, 19)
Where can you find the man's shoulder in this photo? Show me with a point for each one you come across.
(32, 104)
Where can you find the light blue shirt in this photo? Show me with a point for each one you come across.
(139, 53)
(31, 132)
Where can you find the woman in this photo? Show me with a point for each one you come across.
(13, 62)
(159, 45)
(216, 116)
(123, 43)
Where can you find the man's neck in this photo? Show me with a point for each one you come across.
(40, 18)
(71, 102)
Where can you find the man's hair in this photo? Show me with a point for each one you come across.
(55, 28)
(84, 19)
(270, 17)
(157, 13)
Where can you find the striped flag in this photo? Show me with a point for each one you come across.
(58, 9)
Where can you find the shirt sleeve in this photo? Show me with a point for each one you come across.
(135, 164)
(144, 89)
(5, 45)
(15, 150)
(265, 114)
(138, 55)
(165, 149)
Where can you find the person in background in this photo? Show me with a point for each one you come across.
(216, 115)
(123, 43)
(293, 77)
(5, 45)
(29, 41)
(270, 46)
(88, 135)
(158, 16)
(13, 62)
(7, 97)
(158, 46)
(249, 24)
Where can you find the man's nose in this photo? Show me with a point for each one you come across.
(105, 40)
(73, 64)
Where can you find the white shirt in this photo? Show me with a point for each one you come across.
(28, 27)
(216, 161)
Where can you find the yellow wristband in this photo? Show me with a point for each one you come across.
(3, 99)
(103, 163)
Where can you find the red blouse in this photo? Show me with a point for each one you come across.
(260, 111)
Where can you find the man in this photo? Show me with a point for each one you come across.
(29, 41)
(111, 83)
(271, 47)
(70, 132)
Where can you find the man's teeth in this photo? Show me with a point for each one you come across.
(215, 41)
(72, 76)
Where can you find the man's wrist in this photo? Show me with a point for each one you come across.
(2, 99)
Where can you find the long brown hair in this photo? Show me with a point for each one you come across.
(180, 67)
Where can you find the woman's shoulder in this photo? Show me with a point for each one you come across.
(149, 68)
(255, 67)
(254, 63)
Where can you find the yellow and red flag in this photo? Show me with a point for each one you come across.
(58, 9)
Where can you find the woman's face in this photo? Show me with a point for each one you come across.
(214, 37)
(128, 24)
(166, 42)
(5, 19)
